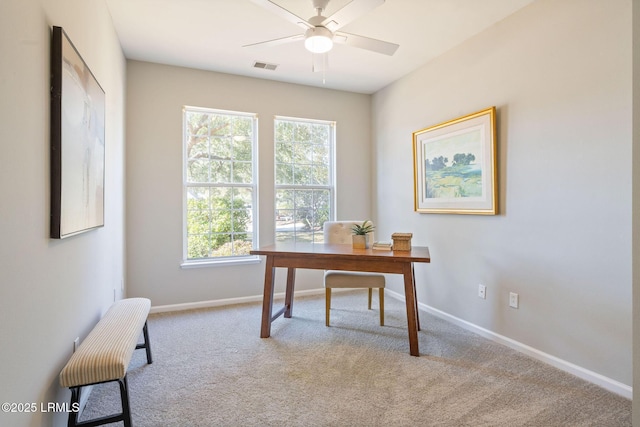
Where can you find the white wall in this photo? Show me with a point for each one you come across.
(51, 291)
(636, 206)
(559, 74)
(155, 97)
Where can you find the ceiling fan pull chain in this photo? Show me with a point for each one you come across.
(324, 67)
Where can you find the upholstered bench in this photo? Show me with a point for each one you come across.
(105, 354)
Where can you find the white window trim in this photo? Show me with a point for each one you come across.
(231, 260)
(221, 262)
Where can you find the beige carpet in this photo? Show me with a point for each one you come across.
(212, 369)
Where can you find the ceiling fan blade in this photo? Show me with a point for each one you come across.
(276, 42)
(367, 43)
(350, 12)
(283, 13)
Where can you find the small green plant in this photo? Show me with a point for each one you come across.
(361, 230)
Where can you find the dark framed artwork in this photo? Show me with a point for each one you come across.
(77, 142)
(454, 166)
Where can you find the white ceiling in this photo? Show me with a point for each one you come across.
(209, 35)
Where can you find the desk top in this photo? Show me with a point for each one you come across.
(417, 253)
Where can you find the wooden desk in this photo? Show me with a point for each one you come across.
(339, 257)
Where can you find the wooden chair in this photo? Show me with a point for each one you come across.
(339, 232)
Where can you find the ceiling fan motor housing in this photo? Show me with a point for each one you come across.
(318, 39)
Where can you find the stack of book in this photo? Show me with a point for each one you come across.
(382, 246)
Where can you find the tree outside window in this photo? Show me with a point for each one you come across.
(304, 170)
(219, 183)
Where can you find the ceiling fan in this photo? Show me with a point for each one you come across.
(322, 32)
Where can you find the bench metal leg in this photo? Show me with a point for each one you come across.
(124, 416)
(124, 398)
(75, 403)
(146, 345)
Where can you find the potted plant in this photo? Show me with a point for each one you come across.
(361, 234)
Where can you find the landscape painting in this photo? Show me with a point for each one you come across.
(454, 166)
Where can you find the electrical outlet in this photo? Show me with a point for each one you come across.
(76, 343)
(482, 291)
(513, 300)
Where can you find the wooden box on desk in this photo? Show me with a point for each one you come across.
(402, 241)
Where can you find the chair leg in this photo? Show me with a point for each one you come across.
(381, 297)
(370, 296)
(327, 294)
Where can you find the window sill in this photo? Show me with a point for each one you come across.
(252, 259)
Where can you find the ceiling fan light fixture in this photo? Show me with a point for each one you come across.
(318, 40)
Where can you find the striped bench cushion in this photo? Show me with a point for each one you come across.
(106, 352)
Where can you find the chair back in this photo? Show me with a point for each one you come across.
(339, 232)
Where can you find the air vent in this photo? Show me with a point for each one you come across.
(265, 66)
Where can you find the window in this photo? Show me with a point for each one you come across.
(304, 171)
(219, 183)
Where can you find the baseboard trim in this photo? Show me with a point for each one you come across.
(585, 374)
(580, 372)
(228, 301)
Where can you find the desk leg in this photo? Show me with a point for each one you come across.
(288, 299)
(267, 298)
(415, 294)
(412, 314)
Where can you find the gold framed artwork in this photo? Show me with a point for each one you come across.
(454, 166)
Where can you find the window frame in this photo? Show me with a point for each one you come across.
(253, 186)
(331, 187)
